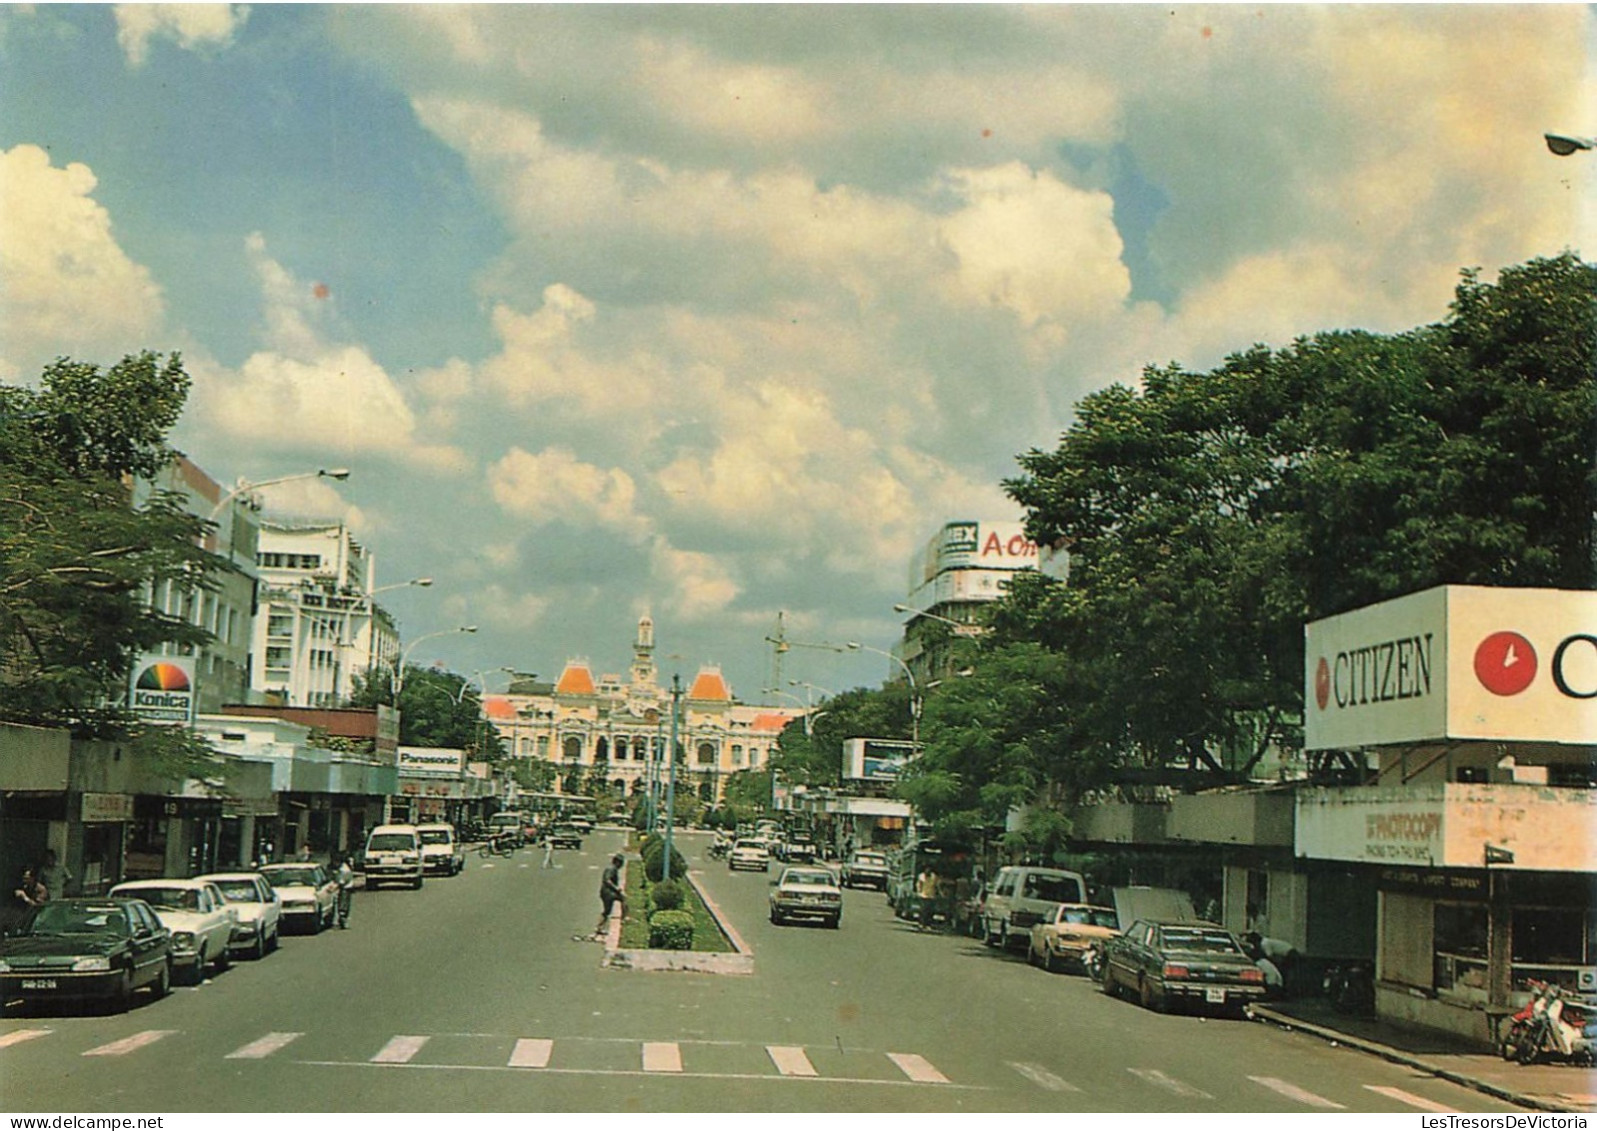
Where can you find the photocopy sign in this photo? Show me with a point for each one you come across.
(162, 689)
(1455, 662)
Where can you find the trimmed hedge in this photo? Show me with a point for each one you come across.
(666, 896)
(653, 853)
(671, 930)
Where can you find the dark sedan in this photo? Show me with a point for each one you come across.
(1200, 965)
(86, 949)
(566, 836)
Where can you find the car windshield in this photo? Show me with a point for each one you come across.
(1089, 917)
(823, 879)
(1194, 941)
(870, 858)
(291, 877)
(1056, 889)
(239, 891)
(390, 842)
(435, 836)
(78, 919)
(169, 899)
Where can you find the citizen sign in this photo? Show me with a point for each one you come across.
(1376, 673)
(1506, 664)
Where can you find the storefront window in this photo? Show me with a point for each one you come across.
(1460, 934)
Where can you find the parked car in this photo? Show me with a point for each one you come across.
(199, 918)
(309, 895)
(566, 835)
(440, 854)
(807, 893)
(865, 870)
(749, 854)
(1191, 964)
(1021, 896)
(393, 855)
(258, 906)
(1063, 939)
(84, 950)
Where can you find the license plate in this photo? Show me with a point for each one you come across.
(1214, 995)
(39, 983)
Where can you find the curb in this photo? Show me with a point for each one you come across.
(1397, 1056)
(693, 962)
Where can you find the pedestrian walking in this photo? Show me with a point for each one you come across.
(610, 894)
(926, 893)
(548, 850)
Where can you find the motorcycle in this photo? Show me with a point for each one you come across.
(1551, 1023)
(1092, 961)
(720, 848)
(502, 844)
(1351, 987)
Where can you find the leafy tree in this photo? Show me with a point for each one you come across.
(746, 797)
(812, 753)
(436, 708)
(77, 559)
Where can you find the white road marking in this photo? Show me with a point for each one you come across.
(531, 1052)
(128, 1044)
(21, 1035)
(1293, 1092)
(917, 1068)
(1169, 1083)
(662, 1056)
(263, 1048)
(399, 1050)
(1043, 1078)
(1409, 1098)
(790, 1060)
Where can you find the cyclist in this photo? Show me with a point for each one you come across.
(346, 891)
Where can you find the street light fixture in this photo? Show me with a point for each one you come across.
(399, 676)
(245, 485)
(1564, 144)
(418, 582)
(914, 691)
(960, 627)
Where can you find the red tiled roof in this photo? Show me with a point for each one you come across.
(772, 722)
(710, 684)
(575, 680)
(497, 707)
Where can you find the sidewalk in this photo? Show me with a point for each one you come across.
(1546, 1087)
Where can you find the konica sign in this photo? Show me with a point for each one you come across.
(162, 689)
(1455, 662)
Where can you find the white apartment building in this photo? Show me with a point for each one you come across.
(317, 626)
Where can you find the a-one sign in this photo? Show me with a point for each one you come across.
(1455, 662)
(876, 759)
(161, 689)
(974, 545)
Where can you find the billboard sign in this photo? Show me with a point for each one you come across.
(974, 545)
(876, 759)
(161, 689)
(1454, 662)
(431, 761)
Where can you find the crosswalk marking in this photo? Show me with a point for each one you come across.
(790, 1061)
(1409, 1098)
(128, 1044)
(531, 1053)
(16, 1038)
(1293, 1092)
(1169, 1083)
(399, 1050)
(1043, 1078)
(917, 1068)
(263, 1048)
(662, 1056)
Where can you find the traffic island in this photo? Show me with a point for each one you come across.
(717, 948)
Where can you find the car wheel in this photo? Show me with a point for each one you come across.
(163, 982)
(260, 946)
(836, 922)
(271, 942)
(776, 919)
(1107, 980)
(122, 997)
(1150, 999)
(223, 959)
(415, 885)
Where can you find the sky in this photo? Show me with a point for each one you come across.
(719, 312)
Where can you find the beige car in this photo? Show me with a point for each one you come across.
(1064, 937)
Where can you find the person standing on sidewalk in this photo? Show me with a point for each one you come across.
(610, 894)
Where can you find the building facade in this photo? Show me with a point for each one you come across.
(613, 731)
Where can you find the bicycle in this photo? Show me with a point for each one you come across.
(497, 846)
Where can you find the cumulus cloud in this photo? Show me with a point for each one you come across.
(66, 286)
(555, 486)
(698, 584)
(190, 26)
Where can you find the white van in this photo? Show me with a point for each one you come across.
(393, 856)
(1019, 898)
(440, 852)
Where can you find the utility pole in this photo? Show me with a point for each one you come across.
(671, 778)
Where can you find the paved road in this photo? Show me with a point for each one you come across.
(471, 995)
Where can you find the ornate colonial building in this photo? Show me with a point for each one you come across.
(606, 728)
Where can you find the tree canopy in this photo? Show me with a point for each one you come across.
(436, 708)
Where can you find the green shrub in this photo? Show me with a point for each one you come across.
(653, 853)
(666, 896)
(671, 930)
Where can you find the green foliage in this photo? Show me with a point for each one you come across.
(652, 850)
(671, 930)
(665, 895)
(814, 756)
(76, 557)
(436, 708)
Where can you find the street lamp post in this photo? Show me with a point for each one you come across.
(1565, 144)
(914, 692)
(399, 675)
(671, 779)
(960, 627)
(244, 485)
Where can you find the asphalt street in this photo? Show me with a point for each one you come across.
(473, 995)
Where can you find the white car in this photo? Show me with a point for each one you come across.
(310, 897)
(198, 916)
(750, 854)
(807, 893)
(259, 907)
(440, 853)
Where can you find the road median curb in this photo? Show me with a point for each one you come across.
(741, 961)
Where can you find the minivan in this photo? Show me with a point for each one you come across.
(393, 855)
(1020, 896)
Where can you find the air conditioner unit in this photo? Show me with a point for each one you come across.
(1586, 979)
